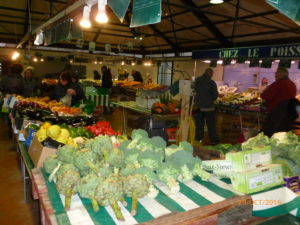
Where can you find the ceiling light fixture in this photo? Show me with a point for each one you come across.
(15, 55)
(35, 59)
(42, 60)
(133, 63)
(122, 63)
(216, 1)
(220, 62)
(39, 39)
(85, 21)
(101, 15)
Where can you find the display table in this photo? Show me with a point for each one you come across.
(198, 202)
(131, 106)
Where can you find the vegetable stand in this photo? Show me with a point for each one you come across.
(131, 105)
(197, 201)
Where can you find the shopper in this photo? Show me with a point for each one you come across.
(282, 89)
(13, 82)
(79, 91)
(65, 89)
(263, 84)
(31, 83)
(97, 75)
(137, 76)
(106, 78)
(206, 94)
(282, 118)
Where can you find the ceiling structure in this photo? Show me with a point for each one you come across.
(186, 25)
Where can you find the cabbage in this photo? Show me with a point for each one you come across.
(289, 167)
(284, 138)
(258, 140)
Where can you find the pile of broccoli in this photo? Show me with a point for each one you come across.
(105, 169)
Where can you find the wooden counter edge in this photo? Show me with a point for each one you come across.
(202, 215)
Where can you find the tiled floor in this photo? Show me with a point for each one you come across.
(13, 209)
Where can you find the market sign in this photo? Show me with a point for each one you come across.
(281, 51)
(145, 12)
(290, 8)
(119, 7)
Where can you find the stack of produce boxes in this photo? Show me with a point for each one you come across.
(250, 171)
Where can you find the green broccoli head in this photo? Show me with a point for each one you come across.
(150, 159)
(135, 185)
(138, 134)
(159, 143)
(168, 174)
(183, 146)
(68, 180)
(144, 144)
(131, 155)
(147, 172)
(66, 153)
(88, 184)
(101, 144)
(65, 167)
(50, 163)
(110, 190)
(115, 158)
(82, 159)
(123, 145)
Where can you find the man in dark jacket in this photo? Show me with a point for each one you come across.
(206, 94)
(13, 83)
(106, 78)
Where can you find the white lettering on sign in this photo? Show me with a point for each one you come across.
(232, 53)
(287, 51)
(253, 52)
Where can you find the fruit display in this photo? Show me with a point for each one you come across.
(246, 101)
(50, 81)
(101, 128)
(36, 102)
(106, 169)
(62, 133)
(90, 82)
(66, 111)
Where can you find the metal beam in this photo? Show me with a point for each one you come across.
(57, 17)
(56, 1)
(27, 17)
(225, 21)
(11, 22)
(206, 21)
(20, 17)
(22, 10)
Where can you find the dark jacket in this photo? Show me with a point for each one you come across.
(30, 87)
(281, 117)
(60, 91)
(12, 84)
(206, 92)
(107, 80)
(137, 76)
(278, 91)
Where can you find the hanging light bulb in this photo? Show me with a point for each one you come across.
(85, 21)
(122, 63)
(101, 15)
(39, 39)
(71, 61)
(35, 59)
(220, 62)
(233, 62)
(216, 1)
(133, 63)
(42, 60)
(15, 55)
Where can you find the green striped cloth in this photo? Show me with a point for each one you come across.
(99, 100)
(193, 194)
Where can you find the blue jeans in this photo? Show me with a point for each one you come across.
(208, 118)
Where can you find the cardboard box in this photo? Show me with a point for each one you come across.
(257, 179)
(247, 160)
(38, 153)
